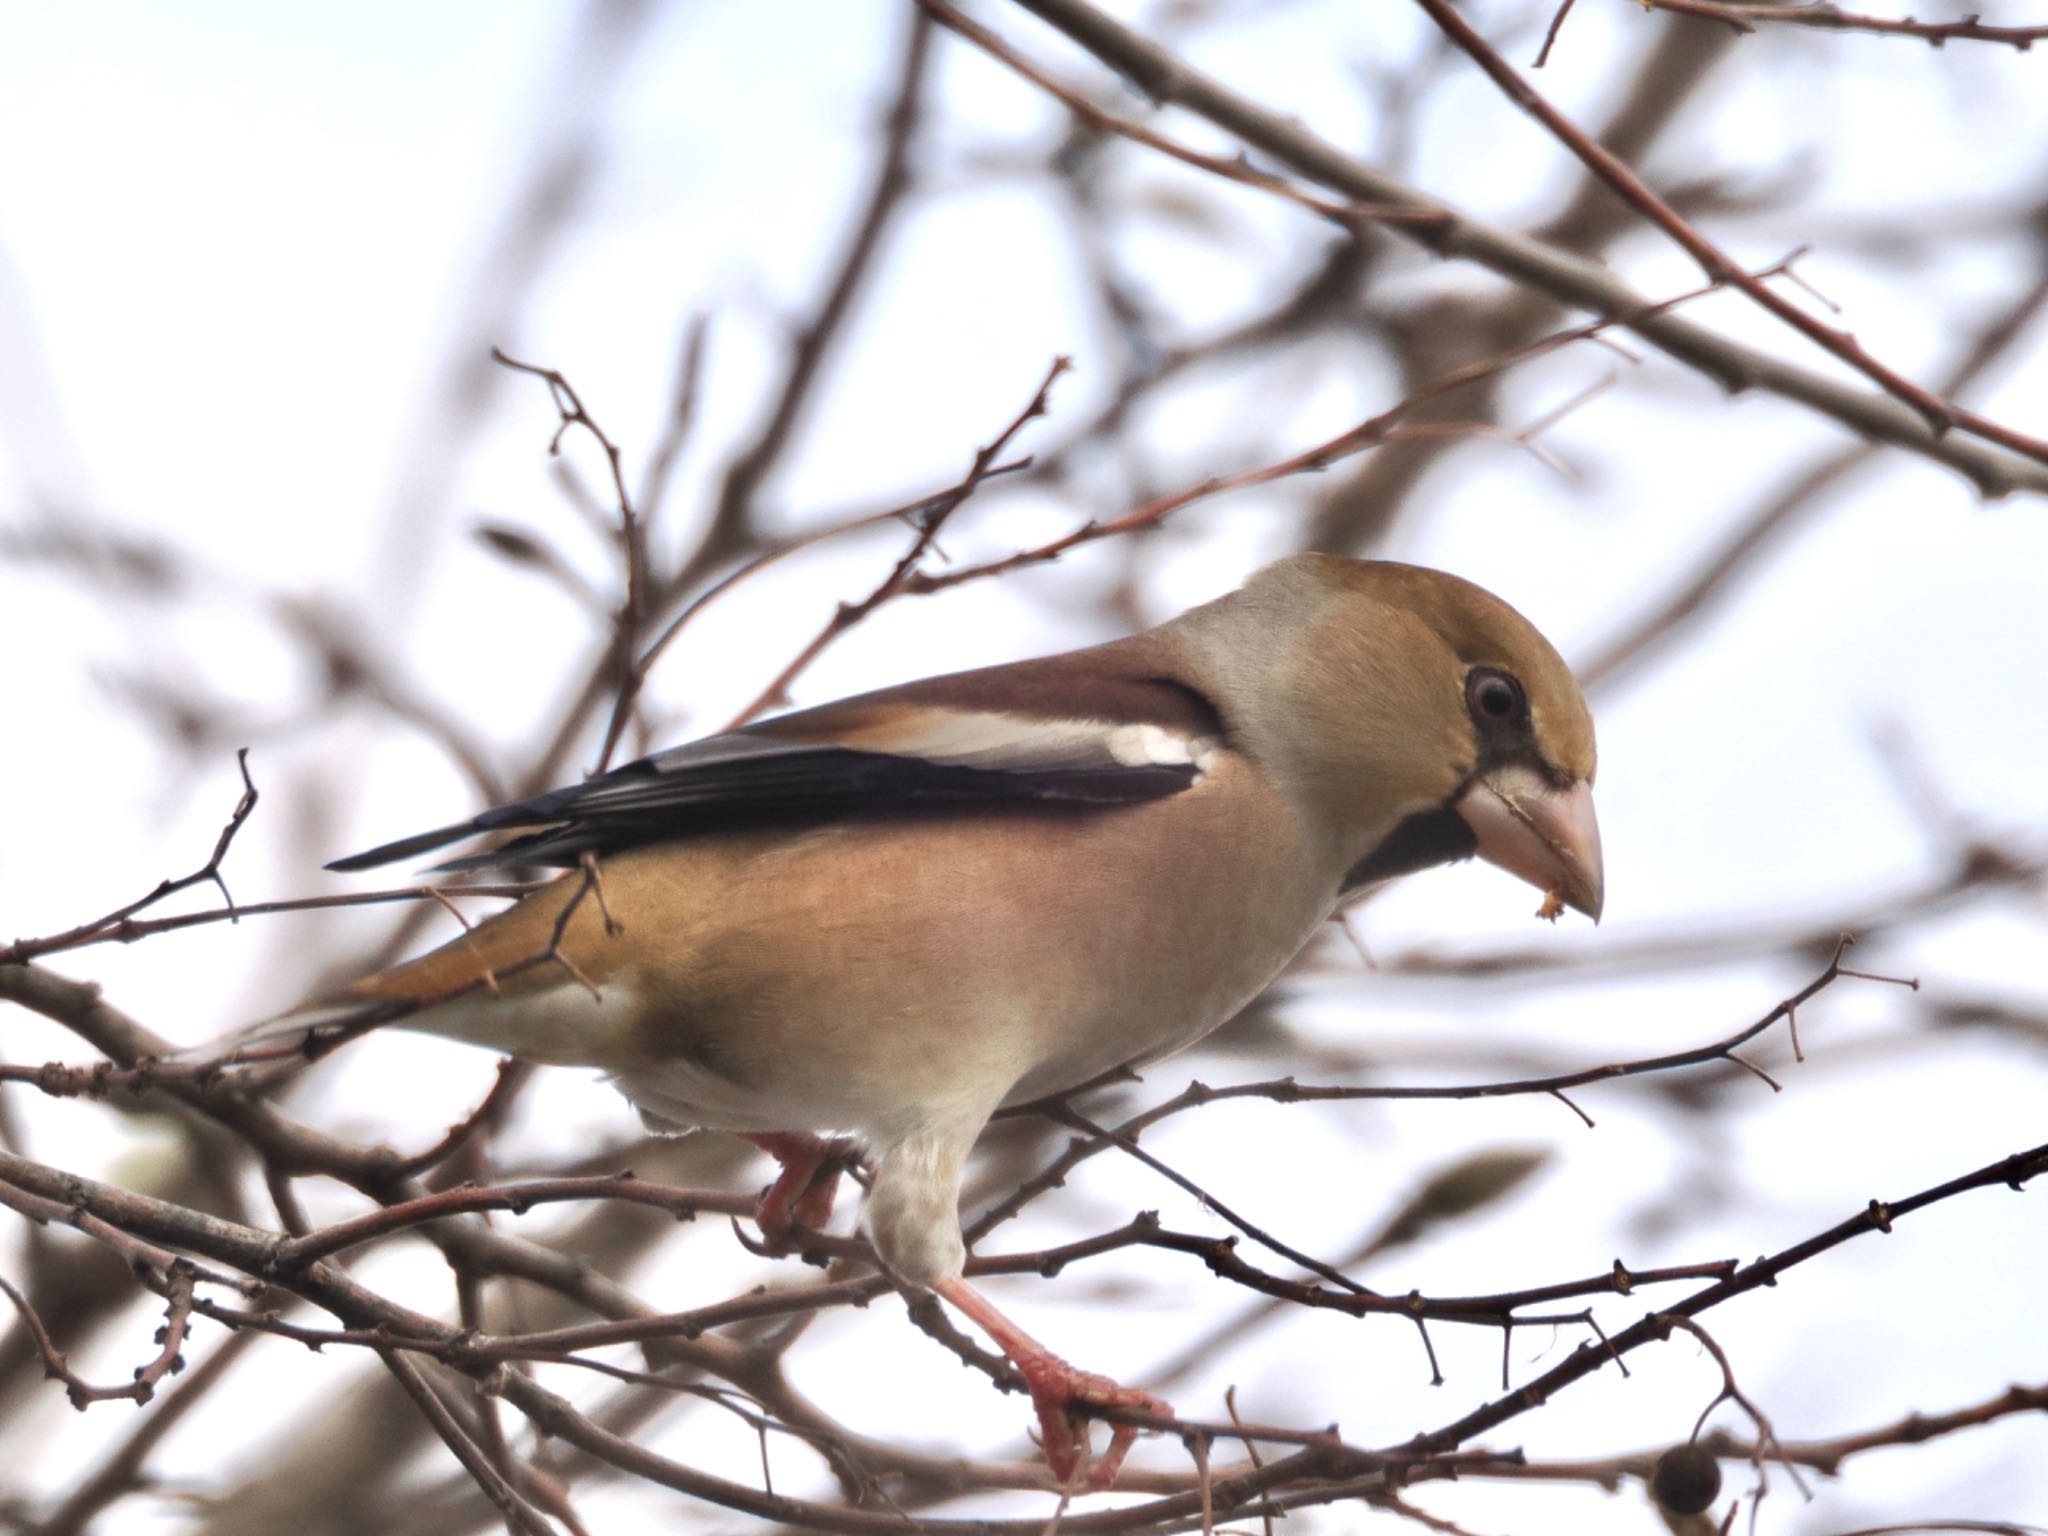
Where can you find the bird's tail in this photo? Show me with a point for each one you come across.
(309, 1031)
(456, 991)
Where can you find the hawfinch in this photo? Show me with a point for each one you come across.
(893, 915)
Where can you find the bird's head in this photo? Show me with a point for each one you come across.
(1422, 719)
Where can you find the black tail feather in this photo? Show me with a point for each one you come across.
(405, 848)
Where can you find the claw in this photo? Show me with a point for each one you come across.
(760, 1248)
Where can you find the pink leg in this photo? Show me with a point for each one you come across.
(801, 1197)
(1057, 1389)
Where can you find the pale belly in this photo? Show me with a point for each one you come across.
(990, 1024)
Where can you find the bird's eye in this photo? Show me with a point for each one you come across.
(1493, 697)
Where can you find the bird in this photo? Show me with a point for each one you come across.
(880, 921)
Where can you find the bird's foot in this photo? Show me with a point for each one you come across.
(1060, 1393)
(801, 1198)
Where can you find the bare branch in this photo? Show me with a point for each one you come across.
(1822, 16)
(1941, 416)
(1565, 277)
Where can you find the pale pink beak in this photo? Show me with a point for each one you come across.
(1545, 835)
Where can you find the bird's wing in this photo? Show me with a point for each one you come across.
(946, 741)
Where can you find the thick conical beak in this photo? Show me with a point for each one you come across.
(1544, 834)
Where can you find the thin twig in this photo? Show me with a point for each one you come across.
(520, 1516)
(905, 575)
(1564, 275)
(1940, 415)
(208, 873)
(169, 1360)
(1825, 17)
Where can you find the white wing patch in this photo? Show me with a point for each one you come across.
(1140, 746)
(994, 739)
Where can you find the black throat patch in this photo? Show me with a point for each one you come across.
(1423, 841)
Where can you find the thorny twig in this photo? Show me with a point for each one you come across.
(1940, 415)
(255, 1252)
(117, 923)
(1563, 275)
(1822, 16)
(631, 615)
(927, 522)
(1288, 1091)
(169, 1360)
